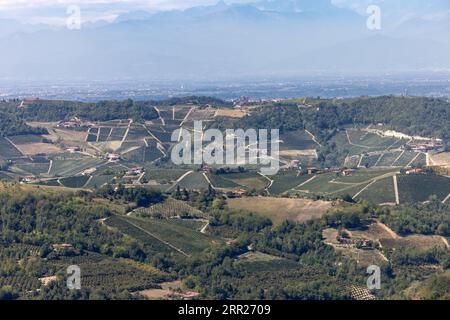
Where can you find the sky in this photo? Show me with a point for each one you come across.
(55, 11)
(52, 11)
(241, 42)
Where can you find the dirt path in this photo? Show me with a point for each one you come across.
(445, 242)
(159, 115)
(12, 143)
(397, 197)
(446, 198)
(379, 159)
(270, 182)
(313, 138)
(203, 230)
(361, 191)
(409, 164)
(150, 133)
(126, 132)
(398, 158)
(179, 180)
(303, 183)
(187, 116)
(388, 230)
(209, 181)
(50, 167)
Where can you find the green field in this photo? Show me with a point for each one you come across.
(98, 181)
(369, 161)
(163, 175)
(388, 159)
(363, 175)
(169, 209)
(418, 188)
(34, 168)
(26, 139)
(72, 167)
(74, 182)
(381, 191)
(7, 150)
(321, 184)
(164, 235)
(297, 140)
(220, 181)
(194, 181)
(421, 160)
(285, 181)
(248, 180)
(405, 159)
(4, 176)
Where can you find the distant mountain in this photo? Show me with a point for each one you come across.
(264, 38)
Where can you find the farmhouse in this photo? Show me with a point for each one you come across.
(424, 147)
(73, 149)
(292, 165)
(113, 157)
(312, 170)
(88, 172)
(135, 171)
(415, 171)
(74, 123)
(30, 179)
(347, 172)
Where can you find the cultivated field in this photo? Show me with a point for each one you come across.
(280, 209)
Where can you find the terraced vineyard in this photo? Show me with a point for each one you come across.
(418, 188)
(74, 182)
(73, 167)
(297, 140)
(163, 235)
(7, 150)
(194, 181)
(284, 181)
(381, 191)
(169, 209)
(388, 159)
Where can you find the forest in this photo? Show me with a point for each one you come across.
(299, 265)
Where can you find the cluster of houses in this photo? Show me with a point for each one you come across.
(295, 164)
(74, 123)
(415, 171)
(112, 157)
(73, 149)
(135, 171)
(30, 179)
(424, 147)
(89, 172)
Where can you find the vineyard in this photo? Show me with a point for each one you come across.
(163, 235)
(170, 208)
(111, 274)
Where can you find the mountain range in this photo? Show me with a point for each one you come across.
(277, 38)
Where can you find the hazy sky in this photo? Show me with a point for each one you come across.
(54, 11)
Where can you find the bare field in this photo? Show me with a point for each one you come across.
(169, 290)
(299, 153)
(415, 242)
(32, 149)
(280, 209)
(440, 159)
(382, 235)
(230, 113)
